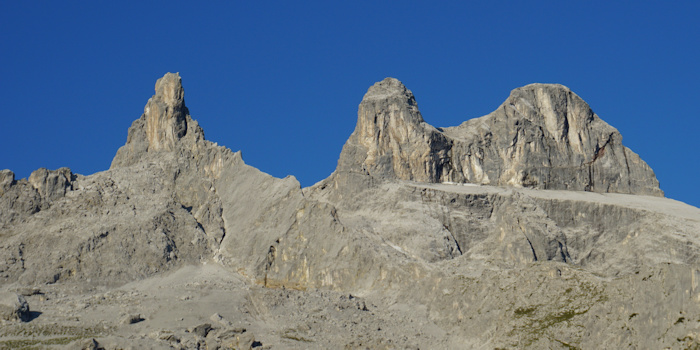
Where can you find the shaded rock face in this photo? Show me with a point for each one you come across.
(543, 136)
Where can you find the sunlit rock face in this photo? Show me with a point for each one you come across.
(392, 140)
(165, 124)
(165, 113)
(543, 136)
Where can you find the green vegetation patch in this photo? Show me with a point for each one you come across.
(545, 321)
(27, 336)
(33, 343)
(525, 311)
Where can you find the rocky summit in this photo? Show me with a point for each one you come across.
(530, 227)
(543, 136)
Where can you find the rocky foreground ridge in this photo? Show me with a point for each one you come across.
(532, 226)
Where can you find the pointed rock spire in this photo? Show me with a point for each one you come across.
(164, 123)
(165, 113)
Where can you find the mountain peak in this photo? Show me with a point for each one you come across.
(169, 89)
(164, 122)
(389, 87)
(543, 136)
(165, 113)
(546, 86)
(390, 131)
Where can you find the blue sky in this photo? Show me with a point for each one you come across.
(281, 81)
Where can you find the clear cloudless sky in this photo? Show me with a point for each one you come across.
(281, 81)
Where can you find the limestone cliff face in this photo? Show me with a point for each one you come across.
(164, 122)
(543, 136)
(391, 139)
(51, 184)
(165, 113)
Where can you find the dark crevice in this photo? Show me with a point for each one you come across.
(223, 235)
(563, 252)
(627, 164)
(534, 254)
(600, 150)
(271, 255)
(20, 252)
(454, 239)
(532, 248)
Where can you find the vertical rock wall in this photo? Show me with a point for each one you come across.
(543, 136)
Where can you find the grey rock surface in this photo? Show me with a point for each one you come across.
(532, 227)
(543, 136)
(13, 307)
(7, 179)
(164, 122)
(51, 184)
(391, 138)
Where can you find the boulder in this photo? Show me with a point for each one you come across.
(131, 319)
(13, 307)
(202, 330)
